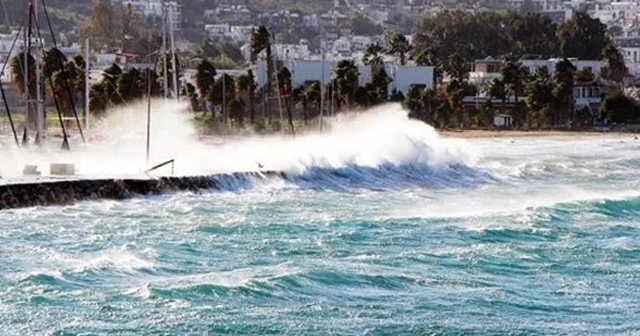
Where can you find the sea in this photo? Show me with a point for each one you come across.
(385, 230)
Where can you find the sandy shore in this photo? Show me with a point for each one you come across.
(521, 134)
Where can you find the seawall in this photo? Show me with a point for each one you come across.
(65, 192)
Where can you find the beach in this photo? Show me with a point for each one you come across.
(526, 134)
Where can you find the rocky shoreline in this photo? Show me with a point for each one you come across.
(65, 192)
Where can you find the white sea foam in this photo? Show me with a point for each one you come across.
(381, 135)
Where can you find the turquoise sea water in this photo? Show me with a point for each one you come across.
(530, 237)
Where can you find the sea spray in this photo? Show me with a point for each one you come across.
(379, 136)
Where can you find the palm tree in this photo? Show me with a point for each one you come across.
(615, 68)
(223, 91)
(98, 100)
(497, 89)
(400, 46)
(261, 41)
(284, 80)
(312, 95)
(298, 96)
(346, 82)
(246, 87)
(205, 77)
(539, 91)
(427, 98)
(514, 77)
(129, 85)
(110, 76)
(16, 66)
(54, 60)
(563, 89)
(412, 101)
(190, 91)
(373, 54)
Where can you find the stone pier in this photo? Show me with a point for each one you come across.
(65, 192)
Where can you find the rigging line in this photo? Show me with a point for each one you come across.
(26, 74)
(155, 64)
(20, 62)
(64, 73)
(65, 140)
(15, 40)
(4, 97)
(6, 106)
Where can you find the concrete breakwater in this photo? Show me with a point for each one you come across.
(64, 192)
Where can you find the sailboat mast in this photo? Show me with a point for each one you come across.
(165, 69)
(87, 69)
(173, 52)
(39, 102)
(25, 74)
(322, 60)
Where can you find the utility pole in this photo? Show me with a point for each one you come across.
(86, 84)
(39, 101)
(25, 73)
(164, 51)
(173, 53)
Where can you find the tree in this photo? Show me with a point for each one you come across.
(345, 82)
(373, 54)
(103, 25)
(615, 68)
(246, 86)
(17, 66)
(497, 89)
(427, 99)
(618, 108)
(584, 75)
(129, 85)
(110, 76)
(261, 41)
(190, 91)
(399, 46)
(514, 77)
(362, 25)
(54, 60)
(98, 100)
(205, 77)
(563, 89)
(412, 101)
(582, 37)
(298, 96)
(378, 87)
(222, 94)
(539, 92)
(312, 95)
(284, 81)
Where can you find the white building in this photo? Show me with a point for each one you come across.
(153, 8)
(487, 69)
(593, 65)
(631, 59)
(305, 71)
(6, 41)
(302, 71)
(291, 51)
(241, 34)
(217, 31)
